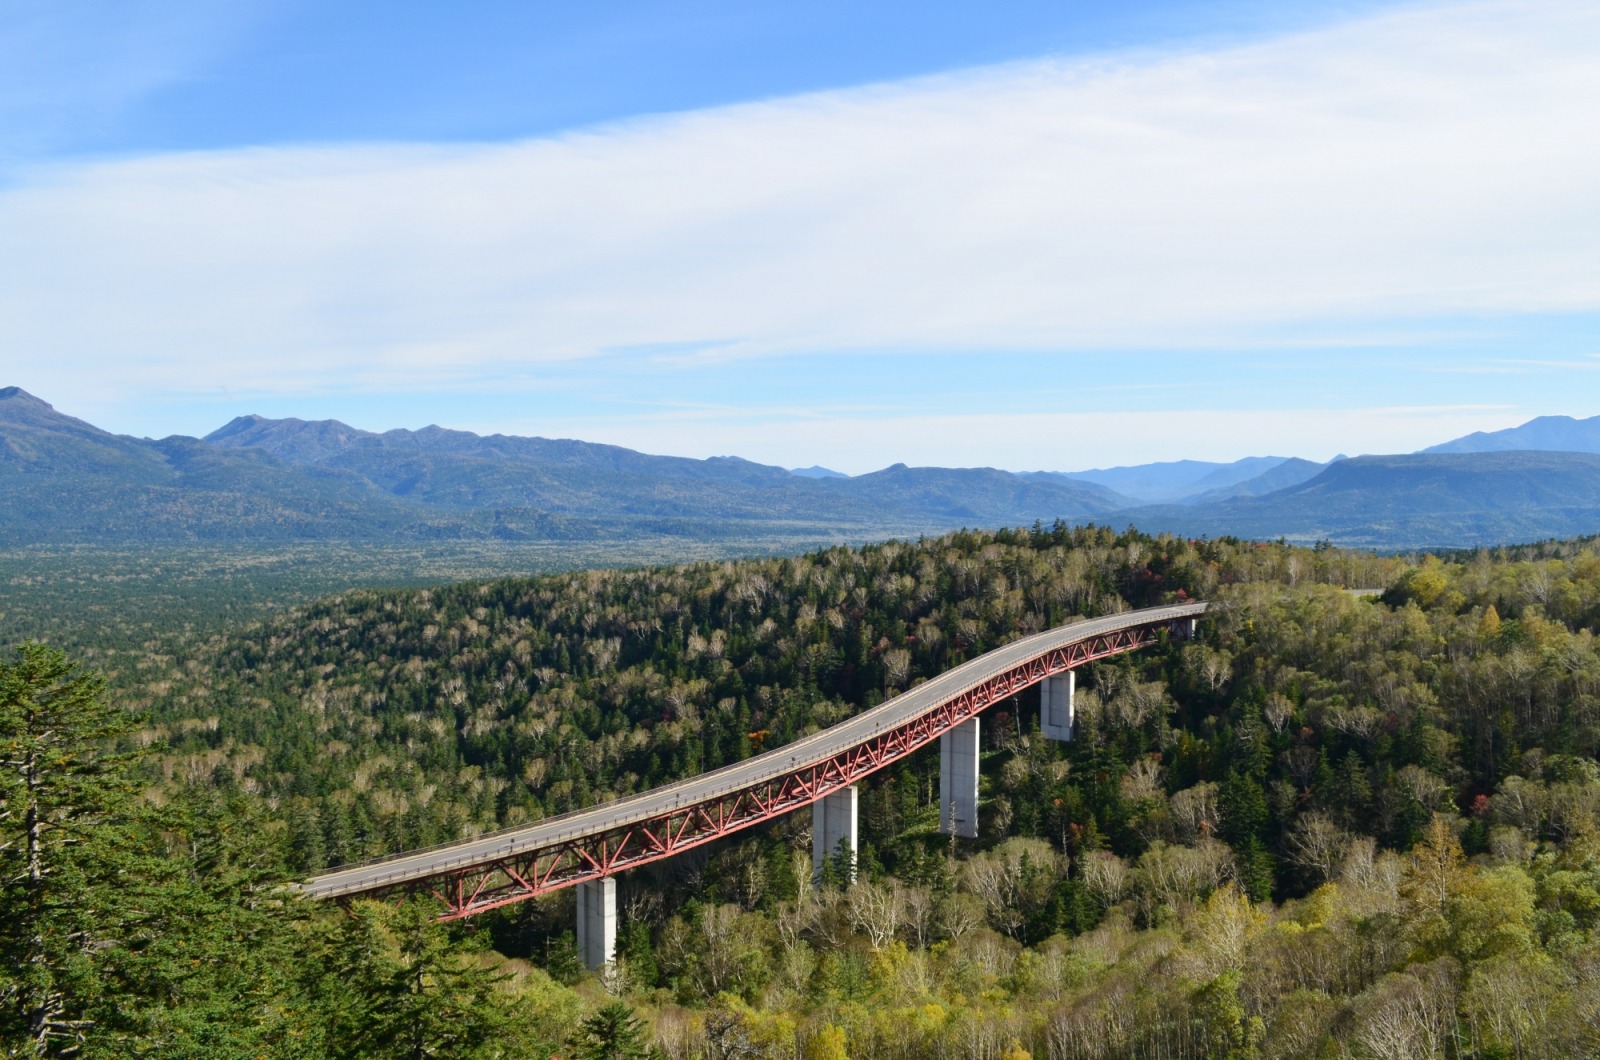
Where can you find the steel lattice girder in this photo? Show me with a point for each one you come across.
(527, 874)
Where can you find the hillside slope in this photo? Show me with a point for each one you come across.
(1416, 501)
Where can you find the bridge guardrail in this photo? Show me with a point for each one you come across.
(513, 833)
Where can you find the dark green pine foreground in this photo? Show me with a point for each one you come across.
(1339, 825)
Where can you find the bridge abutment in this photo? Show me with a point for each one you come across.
(597, 922)
(958, 780)
(1056, 714)
(833, 820)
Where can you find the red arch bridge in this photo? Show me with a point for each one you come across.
(587, 848)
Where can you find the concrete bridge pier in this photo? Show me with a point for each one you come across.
(833, 820)
(958, 780)
(597, 922)
(1056, 706)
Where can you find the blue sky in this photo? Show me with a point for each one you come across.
(1026, 235)
(136, 76)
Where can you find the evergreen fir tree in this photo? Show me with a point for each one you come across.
(66, 799)
(612, 1033)
(393, 985)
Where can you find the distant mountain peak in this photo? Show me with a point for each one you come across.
(16, 393)
(817, 471)
(1550, 433)
(240, 424)
(1290, 472)
(235, 426)
(295, 440)
(1174, 481)
(20, 409)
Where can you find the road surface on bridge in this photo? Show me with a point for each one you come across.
(493, 848)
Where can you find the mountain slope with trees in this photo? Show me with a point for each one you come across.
(1337, 825)
(64, 481)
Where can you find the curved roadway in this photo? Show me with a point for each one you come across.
(816, 748)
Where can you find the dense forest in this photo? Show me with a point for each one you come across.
(112, 606)
(1340, 824)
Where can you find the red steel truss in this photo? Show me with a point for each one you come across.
(528, 873)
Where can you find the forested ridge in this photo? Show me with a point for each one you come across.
(1336, 825)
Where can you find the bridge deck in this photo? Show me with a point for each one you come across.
(810, 751)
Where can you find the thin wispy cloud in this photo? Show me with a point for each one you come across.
(1586, 364)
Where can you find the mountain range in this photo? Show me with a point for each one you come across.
(256, 480)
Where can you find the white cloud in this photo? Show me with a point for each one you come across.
(1433, 161)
